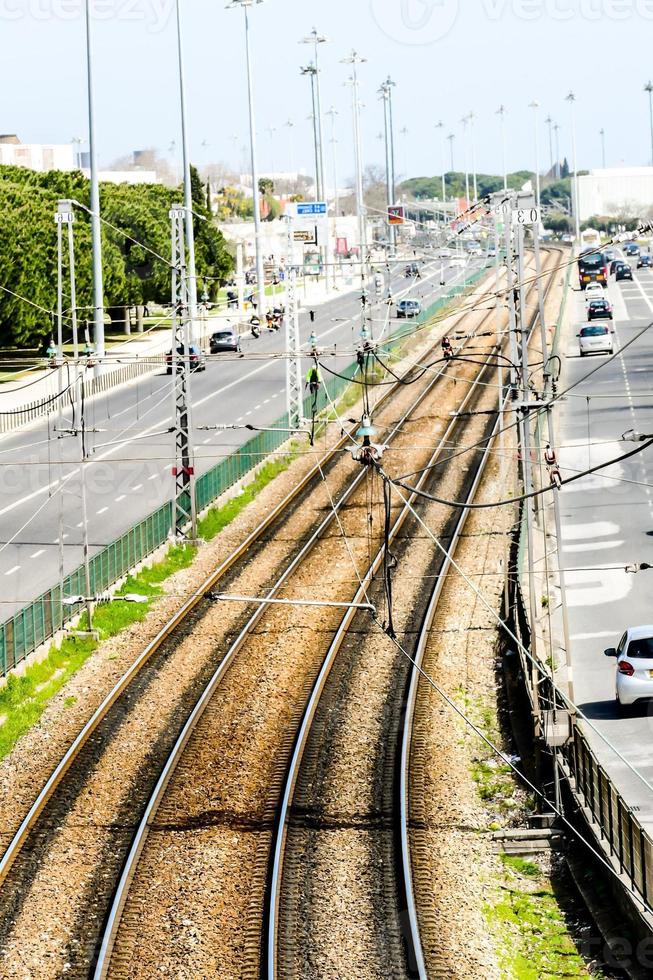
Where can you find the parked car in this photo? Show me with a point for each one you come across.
(196, 359)
(644, 261)
(226, 339)
(623, 272)
(409, 308)
(593, 290)
(595, 339)
(634, 656)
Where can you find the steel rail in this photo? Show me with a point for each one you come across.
(129, 869)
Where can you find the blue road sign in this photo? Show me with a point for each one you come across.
(311, 207)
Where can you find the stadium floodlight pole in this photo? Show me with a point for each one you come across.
(472, 118)
(649, 88)
(316, 40)
(355, 59)
(535, 106)
(260, 274)
(501, 111)
(311, 72)
(549, 123)
(188, 194)
(602, 135)
(96, 227)
(571, 99)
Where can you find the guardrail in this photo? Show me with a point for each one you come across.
(38, 622)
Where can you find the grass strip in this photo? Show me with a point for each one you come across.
(24, 697)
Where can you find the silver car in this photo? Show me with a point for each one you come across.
(634, 655)
(595, 338)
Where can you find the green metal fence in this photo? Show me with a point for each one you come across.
(41, 619)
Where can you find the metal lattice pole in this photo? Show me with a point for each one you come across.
(184, 506)
(294, 390)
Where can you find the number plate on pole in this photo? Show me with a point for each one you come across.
(526, 216)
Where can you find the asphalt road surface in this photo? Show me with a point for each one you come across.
(607, 521)
(131, 472)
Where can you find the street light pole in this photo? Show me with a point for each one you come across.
(649, 88)
(571, 99)
(451, 137)
(384, 93)
(391, 134)
(311, 72)
(96, 228)
(535, 105)
(316, 40)
(440, 125)
(556, 130)
(602, 135)
(289, 124)
(501, 111)
(355, 59)
(465, 121)
(188, 194)
(260, 274)
(549, 122)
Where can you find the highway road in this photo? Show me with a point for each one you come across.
(130, 475)
(607, 521)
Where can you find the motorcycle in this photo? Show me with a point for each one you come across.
(255, 325)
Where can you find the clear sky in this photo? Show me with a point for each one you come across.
(446, 57)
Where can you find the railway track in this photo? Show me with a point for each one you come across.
(61, 867)
(145, 929)
(340, 897)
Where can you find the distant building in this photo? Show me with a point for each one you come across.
(126, 176)
(36, 156)
(623, 191)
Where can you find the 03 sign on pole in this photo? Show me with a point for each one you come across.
(527, 216)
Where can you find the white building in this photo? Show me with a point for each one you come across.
(126, 176)
(626, 191)
(36, 156)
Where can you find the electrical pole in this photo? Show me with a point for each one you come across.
(96, 228)
(294, 388)
(184, 504)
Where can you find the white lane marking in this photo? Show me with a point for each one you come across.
(102, 510)
(266, 400)
(240, 418)
(121, 497)
(595, 587)
(256, 408)
(81, 524)
(276, 394)
(591, 546)
(247, 413)
(155, 476)
(12, 570)
(600, 529)
(204, 441)
(139, 486)
(37, 553)
(645, 295)
(56, 540)
(590, 636)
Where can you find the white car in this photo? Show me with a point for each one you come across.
(593, 290)
(634, 655)
(595, 338)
